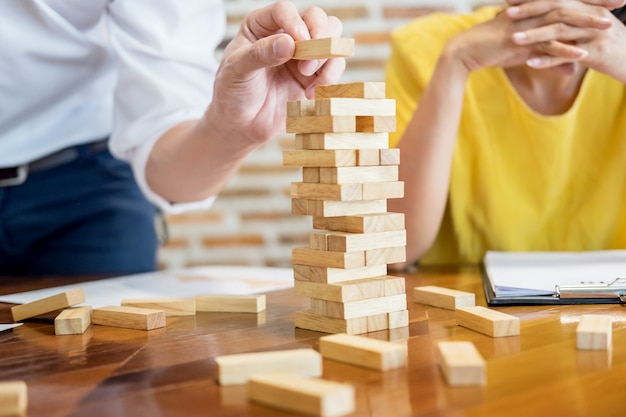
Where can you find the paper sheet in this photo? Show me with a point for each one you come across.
(4, 327)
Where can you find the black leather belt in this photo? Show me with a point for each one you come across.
(11, 176)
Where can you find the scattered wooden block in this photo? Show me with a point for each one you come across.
(378, 190)
(359, 289)
(361, 223)
(324, 48)
(341, 175)
(329, 208)
(360, 308)
(128, 317)
(320, 158)
(328, 192)
(342, 140)
(352, 242)
(368, 89)
(321, 274)
(171, 306)
(48, 304)
(594, 332)
(462, 364)
(355, 107)
(254, 303)
(72, 321)
(13, 398)
(490, 322)
(363, 351)
(315, 397)
(238, 368)
(375, 123)
(329, 259)
(447, 298)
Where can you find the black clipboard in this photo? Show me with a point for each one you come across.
(494, 300)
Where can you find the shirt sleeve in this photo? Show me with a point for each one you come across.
(165, 65)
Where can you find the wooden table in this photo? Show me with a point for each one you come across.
(172, 371)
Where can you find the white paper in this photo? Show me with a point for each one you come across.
(538, 273)
(4, 327)
(172, 283)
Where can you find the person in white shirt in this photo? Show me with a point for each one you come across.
(110, 109)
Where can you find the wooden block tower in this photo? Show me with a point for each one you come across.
(349, 172)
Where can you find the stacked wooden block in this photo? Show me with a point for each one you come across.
(348, 173)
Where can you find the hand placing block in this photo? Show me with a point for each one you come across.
(490, 322)
(72, 321)
(363, 351)
(461, 364)
(13, 398)
(447, 298)
(594, 332)
(128, 317)
(232, 303)
(314, 397)
(48, 304)
(238, 368)
(171, 306)
(324, 48)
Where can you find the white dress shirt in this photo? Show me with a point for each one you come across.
(74, 71)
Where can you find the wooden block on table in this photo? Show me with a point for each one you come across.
(320, 124)
(294, 394)
(355, 107)
(378, 190)
(353, 242)
(390, 156)
(331, 140)
(128, 317)
(48, 304)
(462, 364)
(368, 89)
(375, 123)
(447, 298)
(328, 259)
(368, 157)
(72, 321)
(354, 290)
(324, 48)
(171, 306)
(299, 108)
(360, 308)
(361, 223)
(238, 368)
(391, 255)
(594, 332)
(324, 275)
(490, 322)
(363, 351)
(328, 192)
(320, 323)
(341, 175)
(13, 398)
(320, 158)
(231, 303)
(330, 208)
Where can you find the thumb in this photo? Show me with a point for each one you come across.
(267, 52)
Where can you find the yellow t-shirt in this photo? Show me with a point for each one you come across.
(520, 181)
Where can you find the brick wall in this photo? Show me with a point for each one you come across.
(251, 221)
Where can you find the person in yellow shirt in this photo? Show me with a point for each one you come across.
(511, 123)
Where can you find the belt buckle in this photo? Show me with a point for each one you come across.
(21, 172)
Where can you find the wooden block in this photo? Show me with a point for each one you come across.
(171, 306)
(231, 303)
(300, 206)
(320, 158)
(48, 304)
(462, 364)
(324, 48)
(332, 275)
(375, 123)
(310, 175)
(594, 332)
(128, 317)
(72, 321)
(342, 141)
(328, 259)
(317, 241)
(294, 394)
(379, 190)
(329, 208)
(329, 192)
(13, 398)
(390, 156)
(368, 89)
(299, 108)
(362, 223)
(353, 242)
(238, 368)
(320, 323)
(358, 308)
(363, 351)
(355, 107)
(447, 298)
(490, 322)
(321, 124)
(368, 157)
(389, 255)
(341, 175)
(355, 290)
(398, 319)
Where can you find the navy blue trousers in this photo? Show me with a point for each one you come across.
(84, 217)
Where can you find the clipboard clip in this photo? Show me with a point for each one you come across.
(614, 289)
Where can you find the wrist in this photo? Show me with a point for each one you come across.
(456, 60)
